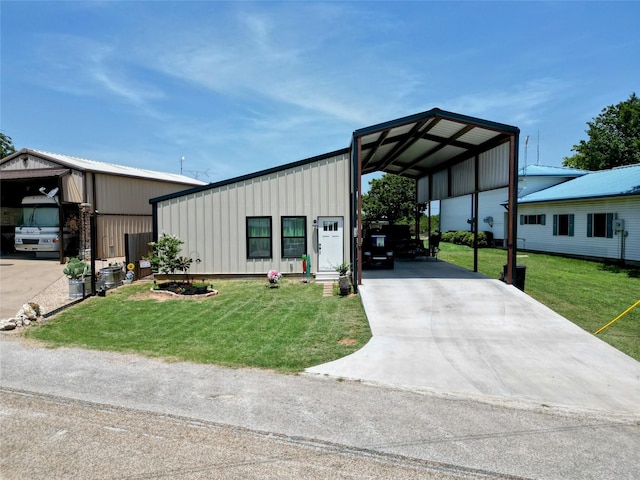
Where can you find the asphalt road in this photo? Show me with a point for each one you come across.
(73, 413)
(51, 437)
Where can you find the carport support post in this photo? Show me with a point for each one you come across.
(358, 251)
(513, 208)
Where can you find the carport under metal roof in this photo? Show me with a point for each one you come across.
(422, 145)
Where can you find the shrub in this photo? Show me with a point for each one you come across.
(464, 237)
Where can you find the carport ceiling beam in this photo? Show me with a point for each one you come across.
(444, 143)
(374, 149)
(408, 139)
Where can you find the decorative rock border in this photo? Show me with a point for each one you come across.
(28, 314)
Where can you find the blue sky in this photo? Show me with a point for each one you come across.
(237, 87)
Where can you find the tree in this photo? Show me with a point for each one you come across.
(614, 138)
(164, 256)
(6, 146)
(391, 198)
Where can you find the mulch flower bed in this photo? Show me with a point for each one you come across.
(179, 288)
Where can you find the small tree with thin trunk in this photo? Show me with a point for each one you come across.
(164, 256)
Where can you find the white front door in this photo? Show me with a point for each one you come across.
(330, 243)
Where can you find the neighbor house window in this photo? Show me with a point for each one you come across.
(600, 225)
(258, 237)
(532, 219)
(563, 224)
(294, 237)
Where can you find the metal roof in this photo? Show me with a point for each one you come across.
(86, 165)
(422, 144)
(620, 181)
(535, 170)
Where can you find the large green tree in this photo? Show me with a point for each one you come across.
(6, 145)
(614, 138)
(390, 197)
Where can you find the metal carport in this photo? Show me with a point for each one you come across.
(448, 155)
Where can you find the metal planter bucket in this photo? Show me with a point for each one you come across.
(78, 287)
(111, 277)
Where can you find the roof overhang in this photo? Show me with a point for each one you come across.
(35, 173)
(425, 143)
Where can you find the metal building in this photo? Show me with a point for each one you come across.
(117, 196)
(267, 220)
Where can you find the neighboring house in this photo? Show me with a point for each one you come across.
(596, 215)
(456, 213)
(266, 220)
(117, 195)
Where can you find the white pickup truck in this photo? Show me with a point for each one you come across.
(38, 228)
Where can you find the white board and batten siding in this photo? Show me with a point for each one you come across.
(540, 237)
(212, 222)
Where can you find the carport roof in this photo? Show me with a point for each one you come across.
(424, 143)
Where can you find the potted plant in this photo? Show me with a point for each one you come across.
(344, 278)
(77, 271)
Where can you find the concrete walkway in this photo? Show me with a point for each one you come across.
(437, 326)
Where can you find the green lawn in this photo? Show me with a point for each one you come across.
(294, 326)
(590, 294)
(249, 325)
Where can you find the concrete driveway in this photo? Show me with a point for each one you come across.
(440, 327)
(22, 278)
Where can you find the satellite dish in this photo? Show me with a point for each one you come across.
(52, 193)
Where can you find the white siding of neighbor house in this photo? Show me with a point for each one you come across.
(212, 222)
(454, 212)
(541, 238)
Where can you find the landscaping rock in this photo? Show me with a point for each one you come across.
(25, 317)
(7, 325)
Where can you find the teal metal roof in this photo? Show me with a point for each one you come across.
(616, 182)
(534, 170)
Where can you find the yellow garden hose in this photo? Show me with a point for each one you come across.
(618, 317)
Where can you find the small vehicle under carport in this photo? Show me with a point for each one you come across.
(377, 248)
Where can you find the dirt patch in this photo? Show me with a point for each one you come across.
(348, 342)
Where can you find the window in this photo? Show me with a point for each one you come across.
(600, 225)
(563, 225)
(258, 237)
(532, 220)
(294, 237)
